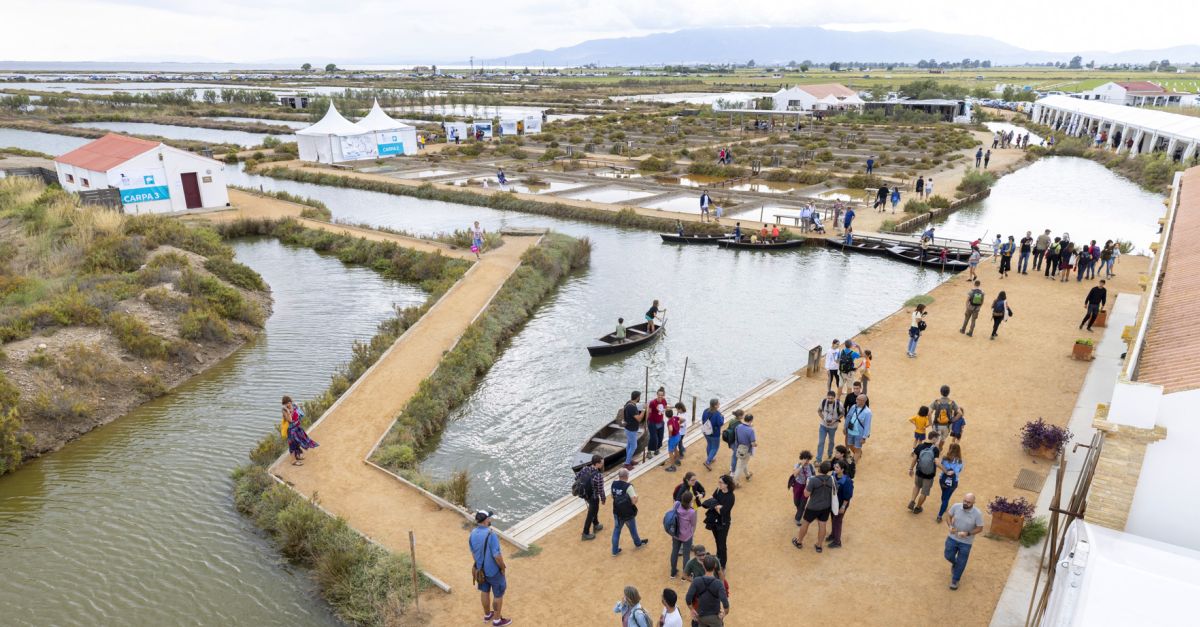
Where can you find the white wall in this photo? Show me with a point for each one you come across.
(171, 167)
(96, 180)
(1165, 506)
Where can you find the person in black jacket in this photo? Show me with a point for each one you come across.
(718, 518)
(690, 484)
(707, 595)
(1096, 299)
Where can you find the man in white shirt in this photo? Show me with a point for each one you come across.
(831, 364)
(670, 613)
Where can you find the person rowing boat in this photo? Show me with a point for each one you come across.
(652, 316)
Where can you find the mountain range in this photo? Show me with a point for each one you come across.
(779, 45)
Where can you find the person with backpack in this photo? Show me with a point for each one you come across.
(845, 492)
(847, 365)
(820, 494)
(952, 465)
(680, 524)
(625, 511)
(1052, 253)
(719, 517)
(1083, 262)
(711, 422)
(707, 598)
(488, 569)
(916, 329)
(589, 486)
(942, 411)
(975, 299)
(745, 441)
(923, 469)
(729, 437)
(830, 413)
(670, 615)
(1000, 312)
(858, 425)
(632, 417)
(631, 610)
(803, 471)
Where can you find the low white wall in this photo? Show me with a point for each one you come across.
(1165, 506)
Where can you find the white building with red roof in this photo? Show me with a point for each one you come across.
(1134, 94)
(150, 177)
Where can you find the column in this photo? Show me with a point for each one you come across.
(1189, 152)
(1124, 138)
(1153, 143)
(1171, 147)
(1115, 480)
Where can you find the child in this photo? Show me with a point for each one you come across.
(680, 410)
(920, 424)
(674, 438)
(865, 377)
(670, 614)
(956, 426)
(802, 472)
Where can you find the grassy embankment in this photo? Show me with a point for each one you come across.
(100, 312)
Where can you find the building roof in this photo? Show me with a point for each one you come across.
(1184, 127)
(106, 153)
(377, 120)
(1169, 357)
(332, 124)
(1142, 86)
(828, 89)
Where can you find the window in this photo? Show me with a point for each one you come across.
(70, 178)
(84, 182)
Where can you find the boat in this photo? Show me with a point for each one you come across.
(746, 245)
(672, 238)
(861, 245)
(928, 259)
(636, 336)
(609, 443)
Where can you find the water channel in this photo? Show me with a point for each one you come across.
(133, 524)
(48, 143)
(169, 131)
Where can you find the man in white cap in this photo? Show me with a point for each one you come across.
(488, 570)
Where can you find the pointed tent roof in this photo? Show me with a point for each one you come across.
(377, 120)
(332, 124)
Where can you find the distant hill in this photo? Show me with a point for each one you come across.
(777, 45)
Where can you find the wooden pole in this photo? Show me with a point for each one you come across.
(681, 382)
(646, 416)
(412, 551)
(693, 409)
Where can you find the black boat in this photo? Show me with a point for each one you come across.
(927, 258)
(861, 245)
(745, 244)
(672, 238)
(636, 336)
(609, 443)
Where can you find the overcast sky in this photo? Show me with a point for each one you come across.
(410, 30)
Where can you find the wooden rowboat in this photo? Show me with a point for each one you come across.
(609, 443)
(636, 336)
(861, 245)
(672, 238)
(746, 245)
(926, 259)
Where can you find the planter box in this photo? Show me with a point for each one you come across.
(1008, 525)
(1082, 352)
(1101, 319)
(1045, 452)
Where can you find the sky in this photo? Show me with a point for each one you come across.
(410, 31)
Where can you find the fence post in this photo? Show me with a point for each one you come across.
(412, 551)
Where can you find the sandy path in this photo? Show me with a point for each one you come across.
(891, 570)
(372, 501)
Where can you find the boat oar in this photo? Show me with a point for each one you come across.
(684, 379)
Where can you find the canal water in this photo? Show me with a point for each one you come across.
(49, 143)
(134, 524)
(169, 131)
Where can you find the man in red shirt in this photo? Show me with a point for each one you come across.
(654, 422)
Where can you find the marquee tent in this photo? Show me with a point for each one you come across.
(391, 137)
(334, 139)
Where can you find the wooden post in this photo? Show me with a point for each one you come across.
(693, 408)
(646, 417)
(681, 382)
(412, 551)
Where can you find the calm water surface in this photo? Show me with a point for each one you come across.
(134, 524)
(49, 143)
(216, 136)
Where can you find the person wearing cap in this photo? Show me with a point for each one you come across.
(489, 568)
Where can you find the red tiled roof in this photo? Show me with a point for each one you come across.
(107, 152)
(1142, 86)
(1170, 357)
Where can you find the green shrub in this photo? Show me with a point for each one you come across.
(58, 406)
(115, 253)
(654, 164)
(915, 206)
(237, 274)
(163, 299)
(85, 365)
(974, 182)
(202, 325)
(40, 359)
(704, 168)
(13, 440)
(149, 385)
(1034, 530)
(135, 337)
(223, 299)
(936, 202)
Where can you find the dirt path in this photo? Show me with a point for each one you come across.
(890, 570)
(373, 502)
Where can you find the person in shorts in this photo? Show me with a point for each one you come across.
(957, 425)
(923, 470)
(819, 504)
(674, 438)
(920, 424)
(489, 568)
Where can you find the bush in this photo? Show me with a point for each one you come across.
(654, 164)
(915, 206)
(936, 202)
(1037, 434)
(115, 253)
(150, 385)
(135, 337)
(57, 406)
(202, 325)
(1034, 530)
(163, 299)
(13, 440)
(974, 182)
(237, 274)
(87, 365)
(223, 299)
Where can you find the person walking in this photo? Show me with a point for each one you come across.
(632, 416)
(895, 198)
(952, 465)
(923, 470)
(1000, 312)
(707, 597)
(820, 494)
(656, 422)
(631, 610)
(670, 614)
(978, 156)
(881, 198)
(973, 264)
(942, 411)
(711, 423)
(830, 413)
(975, 299)
(870, 164)
(1039, 249)
(674, 438)
(965, 522)
(801, 473)
(1094, 303)
(1052, 254)
(920, 423)
(477, 239)
(916, 328)
(987, 156)
(1083, 261)
(847, 220)
(705, 203)
(625, 511)
(685, 530)
(832, 366)
(1007, 249)
(957, 425)
(858, 425)
(1093, 259)
(845, 492)
(591, 480)
(929, 188)
(1107, 258)
(718, 518)
(745, 441)
(488, 569)
(920, 187)
(1026, 249)
(297, 438)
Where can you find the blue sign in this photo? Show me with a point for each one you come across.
(145, 194)
(386, 150)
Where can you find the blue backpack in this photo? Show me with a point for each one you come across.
(671, 522)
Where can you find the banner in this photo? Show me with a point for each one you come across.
(508, 127)
(358, 147)
(390, 143)
(142, 186)
(533, 124)
(486, 127)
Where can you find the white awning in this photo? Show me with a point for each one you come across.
(1183, 127)
(332, 124)
(377, 120)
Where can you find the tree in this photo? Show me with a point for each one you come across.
(1164, 62)
(804, 67)
(986, 63)
(331, 67)
(835, 67)
(1091, 64)
(210, 96)
(306, 67)
(1153, 65)
(792, 64)
(1076, 62)
(750, 63)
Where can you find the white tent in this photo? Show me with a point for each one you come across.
(392, 137)
(331, 140)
